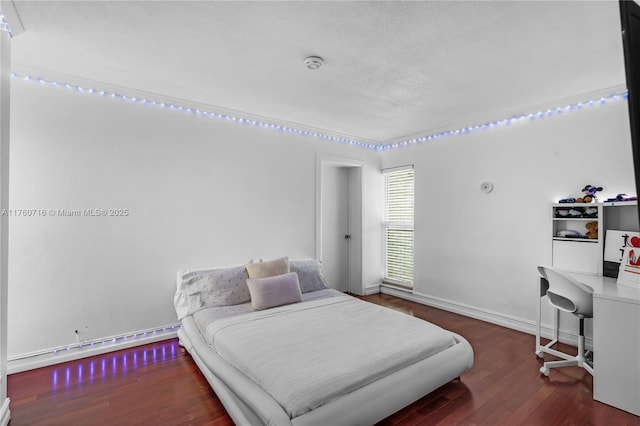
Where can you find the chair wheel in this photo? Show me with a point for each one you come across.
(544, 371)
(540, 354)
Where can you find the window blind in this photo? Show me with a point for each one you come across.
(399, 207)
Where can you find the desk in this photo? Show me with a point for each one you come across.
(616, 340)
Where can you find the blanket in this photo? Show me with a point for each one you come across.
(310, 353)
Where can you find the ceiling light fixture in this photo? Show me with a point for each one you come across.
(313, 62)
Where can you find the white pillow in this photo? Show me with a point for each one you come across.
(309, 274)
(213, 287)
(274, 291)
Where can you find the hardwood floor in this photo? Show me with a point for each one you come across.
(160, 384)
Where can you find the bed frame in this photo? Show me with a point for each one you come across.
(248, 404)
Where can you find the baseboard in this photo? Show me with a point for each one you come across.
(24, 362)
(493, 317)
(5, 414)
(373, 289)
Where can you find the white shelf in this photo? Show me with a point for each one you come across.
(578, 240)
(620, 203)
(568, 254)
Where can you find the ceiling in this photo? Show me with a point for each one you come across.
(392, 69)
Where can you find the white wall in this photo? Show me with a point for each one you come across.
(204, 192)
(200, 192)
(5, 121)
(480, 251)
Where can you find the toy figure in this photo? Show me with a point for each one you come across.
(621, 197)
(588, 197)
(589, 194)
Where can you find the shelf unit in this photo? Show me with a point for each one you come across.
(584, 254)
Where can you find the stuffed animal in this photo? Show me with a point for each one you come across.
(589, 194)
(592, 230)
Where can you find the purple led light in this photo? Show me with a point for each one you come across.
(375, 147)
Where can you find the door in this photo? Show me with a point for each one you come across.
(339, 214)
(335, 226)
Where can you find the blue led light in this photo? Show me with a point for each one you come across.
(4, 26)
(220, 116)
(509, 121)
(376, 147)
(112, 341)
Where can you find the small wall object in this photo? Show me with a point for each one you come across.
(486, 187)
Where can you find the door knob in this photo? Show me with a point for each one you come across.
(346, 237)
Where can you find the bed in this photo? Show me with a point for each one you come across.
(279, 347)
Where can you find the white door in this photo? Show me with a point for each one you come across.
(335, 226)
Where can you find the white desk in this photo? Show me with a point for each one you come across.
(616, 341)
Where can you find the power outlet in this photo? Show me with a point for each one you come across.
(77, 335)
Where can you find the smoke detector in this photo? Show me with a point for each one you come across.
(313, 62)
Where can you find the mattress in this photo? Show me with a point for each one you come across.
(248, 403)
(329, 360)
(308, 354)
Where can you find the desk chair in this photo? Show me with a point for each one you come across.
(569, 295)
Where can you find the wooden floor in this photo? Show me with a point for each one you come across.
(159, 384)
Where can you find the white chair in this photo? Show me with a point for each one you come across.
(569, 295)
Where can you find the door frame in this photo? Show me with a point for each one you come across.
(356, 212)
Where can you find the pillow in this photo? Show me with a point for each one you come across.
(274, 291)
(213, 287)
(269, 268)
(310, 274)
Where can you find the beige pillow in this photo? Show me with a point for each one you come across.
(274, 291)
(270, 268)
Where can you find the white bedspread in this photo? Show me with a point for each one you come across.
(307, 354)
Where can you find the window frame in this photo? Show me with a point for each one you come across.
(398, 225)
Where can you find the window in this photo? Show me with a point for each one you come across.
(398, 225)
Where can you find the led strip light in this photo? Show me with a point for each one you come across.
(195, 111)
(318, 135)
(118, 339)
(4, 26)
(509, 121)
(66, 376)
(104, 342)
